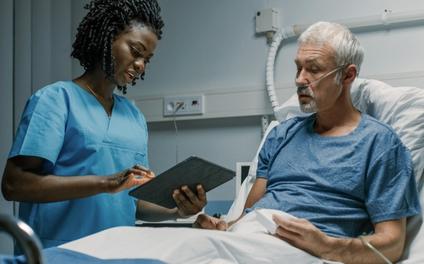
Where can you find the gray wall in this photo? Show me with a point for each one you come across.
(34, 51)
(6, 99)
(50, 41)
(211, 47)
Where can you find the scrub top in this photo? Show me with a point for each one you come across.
(67, 127)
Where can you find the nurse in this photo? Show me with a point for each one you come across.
(80, 147)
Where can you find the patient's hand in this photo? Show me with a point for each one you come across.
(302, 234)
(208, 222)
(189, 203)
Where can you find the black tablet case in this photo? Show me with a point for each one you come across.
(190, 172)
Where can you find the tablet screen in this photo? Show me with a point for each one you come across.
(190, 172)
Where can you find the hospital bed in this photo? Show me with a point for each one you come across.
(248, 242)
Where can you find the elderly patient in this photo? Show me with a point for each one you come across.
(346, 176)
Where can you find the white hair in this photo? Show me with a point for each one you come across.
(347, 49)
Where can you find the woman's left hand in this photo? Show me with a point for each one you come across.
(188, 203)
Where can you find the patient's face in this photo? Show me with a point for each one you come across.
(315, 64)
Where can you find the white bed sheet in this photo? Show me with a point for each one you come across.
(247, 243)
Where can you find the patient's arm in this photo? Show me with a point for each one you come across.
(256, 193)
(389, 239)
(207, 222)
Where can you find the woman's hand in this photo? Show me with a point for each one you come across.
(135, 176)
(189, 203)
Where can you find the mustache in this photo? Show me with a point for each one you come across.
(305, 90)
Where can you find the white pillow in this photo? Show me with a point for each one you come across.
(400, 107)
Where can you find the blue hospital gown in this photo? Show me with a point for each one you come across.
(67, 127)
(343, 185)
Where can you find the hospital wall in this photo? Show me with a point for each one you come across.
(208, 47)
(6, 107)
(34, 51)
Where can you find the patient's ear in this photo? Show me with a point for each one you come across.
(349, 75)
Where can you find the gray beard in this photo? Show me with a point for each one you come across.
(308, 108)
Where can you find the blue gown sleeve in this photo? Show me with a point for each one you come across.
(391, 187)
(264, 156)
(273, 143)
(42, 127)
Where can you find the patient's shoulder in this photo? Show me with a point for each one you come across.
(290, 124)
(296, 121)
(380, 136)
(286, 127)
(373, 126)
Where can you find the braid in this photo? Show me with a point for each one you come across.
(104, 21)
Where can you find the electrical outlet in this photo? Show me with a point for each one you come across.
(183, 105)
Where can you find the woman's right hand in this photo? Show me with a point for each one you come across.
(23, 181)
(135, 176)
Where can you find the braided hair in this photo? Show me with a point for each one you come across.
(104, 21)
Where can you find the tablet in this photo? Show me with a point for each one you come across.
(190, 172)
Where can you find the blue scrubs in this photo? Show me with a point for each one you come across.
(67, 127)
